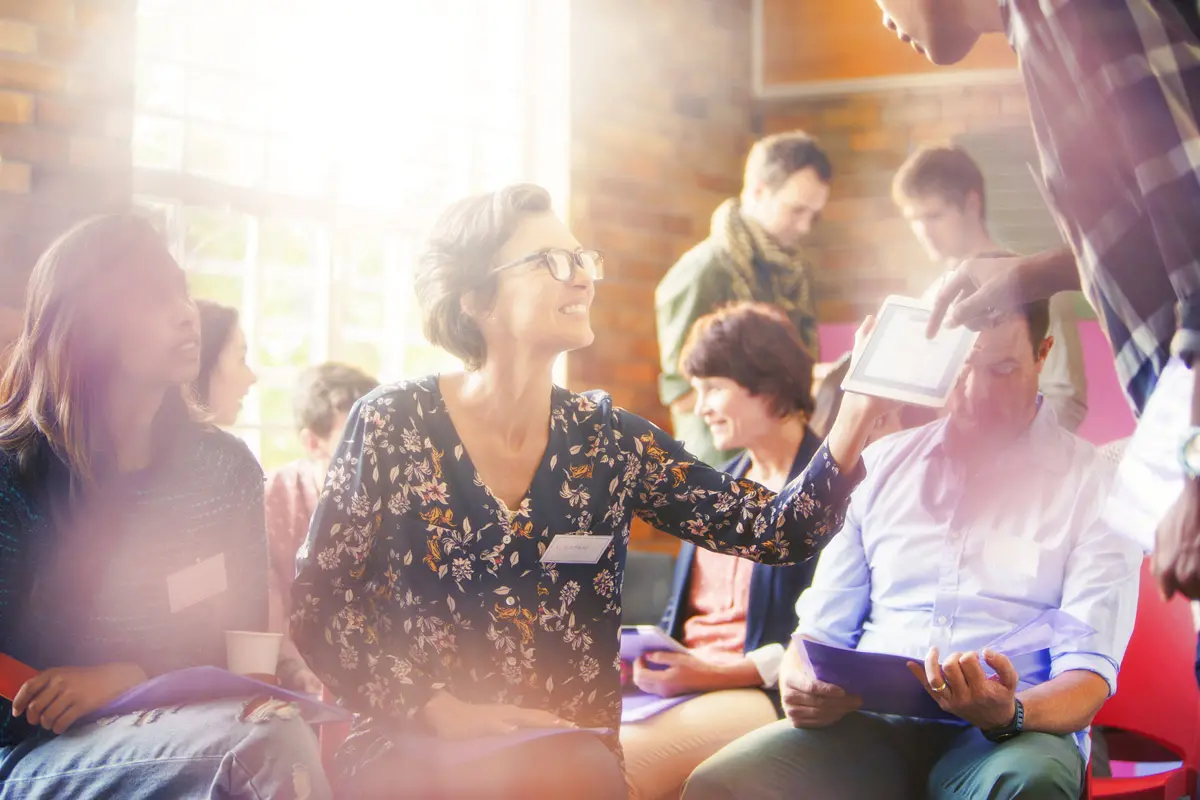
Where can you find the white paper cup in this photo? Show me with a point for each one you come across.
(251, 652)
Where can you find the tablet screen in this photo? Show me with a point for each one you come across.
(899, 361)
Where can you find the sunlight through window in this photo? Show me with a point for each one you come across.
(296, 152)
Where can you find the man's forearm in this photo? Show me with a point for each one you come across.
(1047, 273)
(1065, 704)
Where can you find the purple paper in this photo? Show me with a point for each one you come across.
(201, 684)
(883, 681)
(638, 706)
(455, 751)
(1049, 629)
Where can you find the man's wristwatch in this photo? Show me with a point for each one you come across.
(1189, 453)
(1011, 729)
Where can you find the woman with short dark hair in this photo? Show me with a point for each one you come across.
(224, 378)
(752, 378)
(462, 577)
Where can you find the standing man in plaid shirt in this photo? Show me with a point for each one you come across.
(1114, 92)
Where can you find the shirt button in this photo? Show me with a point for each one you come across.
(956, 535)
(941, 621)
(509, 601)
(507, 539)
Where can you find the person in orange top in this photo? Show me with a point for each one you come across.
(324, 396)
(752, 379)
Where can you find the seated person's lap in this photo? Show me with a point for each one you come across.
(578, 766)
(908, 759)
(169, 753)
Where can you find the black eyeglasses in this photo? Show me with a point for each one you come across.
(563, 263)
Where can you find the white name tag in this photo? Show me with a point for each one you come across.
(576, 549)
(197, 583)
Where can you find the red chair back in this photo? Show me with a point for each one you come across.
(1157, 696)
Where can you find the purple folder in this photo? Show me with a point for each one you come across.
(883, 681)
(638, 706)
(887, 686)
(201, 684)
(431, 749)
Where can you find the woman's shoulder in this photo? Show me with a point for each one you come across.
(216, 450)
(596, 409)
(590, 405)
(411, 396)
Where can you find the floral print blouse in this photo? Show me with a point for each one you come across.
(415, 577)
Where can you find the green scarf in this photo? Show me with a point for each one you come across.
(742, 243)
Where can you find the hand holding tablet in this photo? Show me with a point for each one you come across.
(637, 640)
(900, 362)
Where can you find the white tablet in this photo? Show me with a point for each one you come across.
(899, 362)
(637, 640)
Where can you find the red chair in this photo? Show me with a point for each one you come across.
(1157, 704)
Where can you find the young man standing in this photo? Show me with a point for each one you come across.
(1113, 88)
(940, 191)
(752, 254)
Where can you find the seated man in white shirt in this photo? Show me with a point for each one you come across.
(963, 530)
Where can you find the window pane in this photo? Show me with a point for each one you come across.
(224, 97)
(160, 213)
(425, 359)
(212, 234)
(158, 142)
(360, 255)
(284, 345)
(224, 289)
(285, 300)
(224, 155)
(160, 30)
(275, 404)
(279, 447)
(295, 168)
(162, 88)
(364, 355)
(287, 243)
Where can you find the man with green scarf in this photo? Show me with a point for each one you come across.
(752, 254)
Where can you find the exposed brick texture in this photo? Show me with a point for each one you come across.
(660, 125)
(863, 250)
(66, 90)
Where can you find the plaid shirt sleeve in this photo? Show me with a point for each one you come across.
(1137, 64)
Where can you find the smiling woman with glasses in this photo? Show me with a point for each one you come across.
(461, 585)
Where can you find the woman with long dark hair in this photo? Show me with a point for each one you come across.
(131, 539)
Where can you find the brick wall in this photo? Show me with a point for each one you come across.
(863, 248)
(66, 90)
(660, 124)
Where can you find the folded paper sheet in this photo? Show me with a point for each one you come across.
(638, 706)
(201, 684)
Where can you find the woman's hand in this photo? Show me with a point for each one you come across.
(56, 698)
(450, 718)
(860, 414)
(668, 674)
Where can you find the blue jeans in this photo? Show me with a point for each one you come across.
(875, 757)
(197, 751)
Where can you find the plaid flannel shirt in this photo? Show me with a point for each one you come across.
(1114, 89)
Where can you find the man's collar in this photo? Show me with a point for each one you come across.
(1038, 446)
